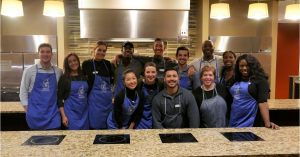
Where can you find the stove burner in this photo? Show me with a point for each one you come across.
(177, 138)
(112, 139)
(241, 136)
(44, 140)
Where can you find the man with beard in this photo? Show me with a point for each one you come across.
(208, 59)
(125, 61)
(174, 107)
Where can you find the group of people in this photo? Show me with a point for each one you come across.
(139, 92)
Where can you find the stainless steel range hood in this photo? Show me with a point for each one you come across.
(133, 19)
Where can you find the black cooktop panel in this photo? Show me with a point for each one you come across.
(177, 138)
(241, 136)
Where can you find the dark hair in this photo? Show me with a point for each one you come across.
(126, 72)
(127, 44)
(229, 52)
(182, 48)
(160, 40)
(44, 45)
(148, 64)
(256, 71)
(67, 69)
(100, 43)
(208, 68)
(169, 69)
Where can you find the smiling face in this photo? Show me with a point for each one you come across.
(171, 78)
(244, 68)
(158, 48)
(208, 78)
(150, 74)
(100, 52)
(73, 63)
(228, 59)
(130, 80)
(182, 57)
(45, 55)
(127, 51)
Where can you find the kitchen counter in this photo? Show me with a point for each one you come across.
(147, 143)
(11, 107)
(274, 104)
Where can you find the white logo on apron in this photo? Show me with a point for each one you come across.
(81, 92)
(46, 86)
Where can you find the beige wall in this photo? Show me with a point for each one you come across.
(238, 24)
(32, 23)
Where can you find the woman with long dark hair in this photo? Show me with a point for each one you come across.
(250, 94)
(72, 95)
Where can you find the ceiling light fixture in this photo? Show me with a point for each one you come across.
(12, 8)
(292, 12)
(54, 8)
(219, 11)
(258, 11)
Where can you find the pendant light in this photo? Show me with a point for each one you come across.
(292, 12)
(54, 8)
(219, 11)
(12, 8)
(258, 11)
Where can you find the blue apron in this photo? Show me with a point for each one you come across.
(128, 109)
(244, 106)
(184, 80)
(146, 120)
(100, 101)
(161, 65)
(76, 106)
(42, 113)
(134, 65)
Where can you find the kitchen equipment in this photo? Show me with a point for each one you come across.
(45, 140)
(241, 136)
(112, 139)
(177, 138)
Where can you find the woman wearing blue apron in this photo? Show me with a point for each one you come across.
(210, 99)
(41, 110)
(250, 94)
(149, 86)
(100, 78)
(72, 95)
(128, 104)
(182, 56)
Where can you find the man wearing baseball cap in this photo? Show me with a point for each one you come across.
(126, 61)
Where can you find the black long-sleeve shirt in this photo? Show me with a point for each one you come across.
(118, 106)
(103, 67)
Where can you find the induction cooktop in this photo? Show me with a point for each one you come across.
(112, 139)
(177, 138)
(241, 136)
(44, 140)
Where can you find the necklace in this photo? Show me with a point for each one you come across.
(209, 88)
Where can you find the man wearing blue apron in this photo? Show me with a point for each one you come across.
(38, 92)
(182, 56)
